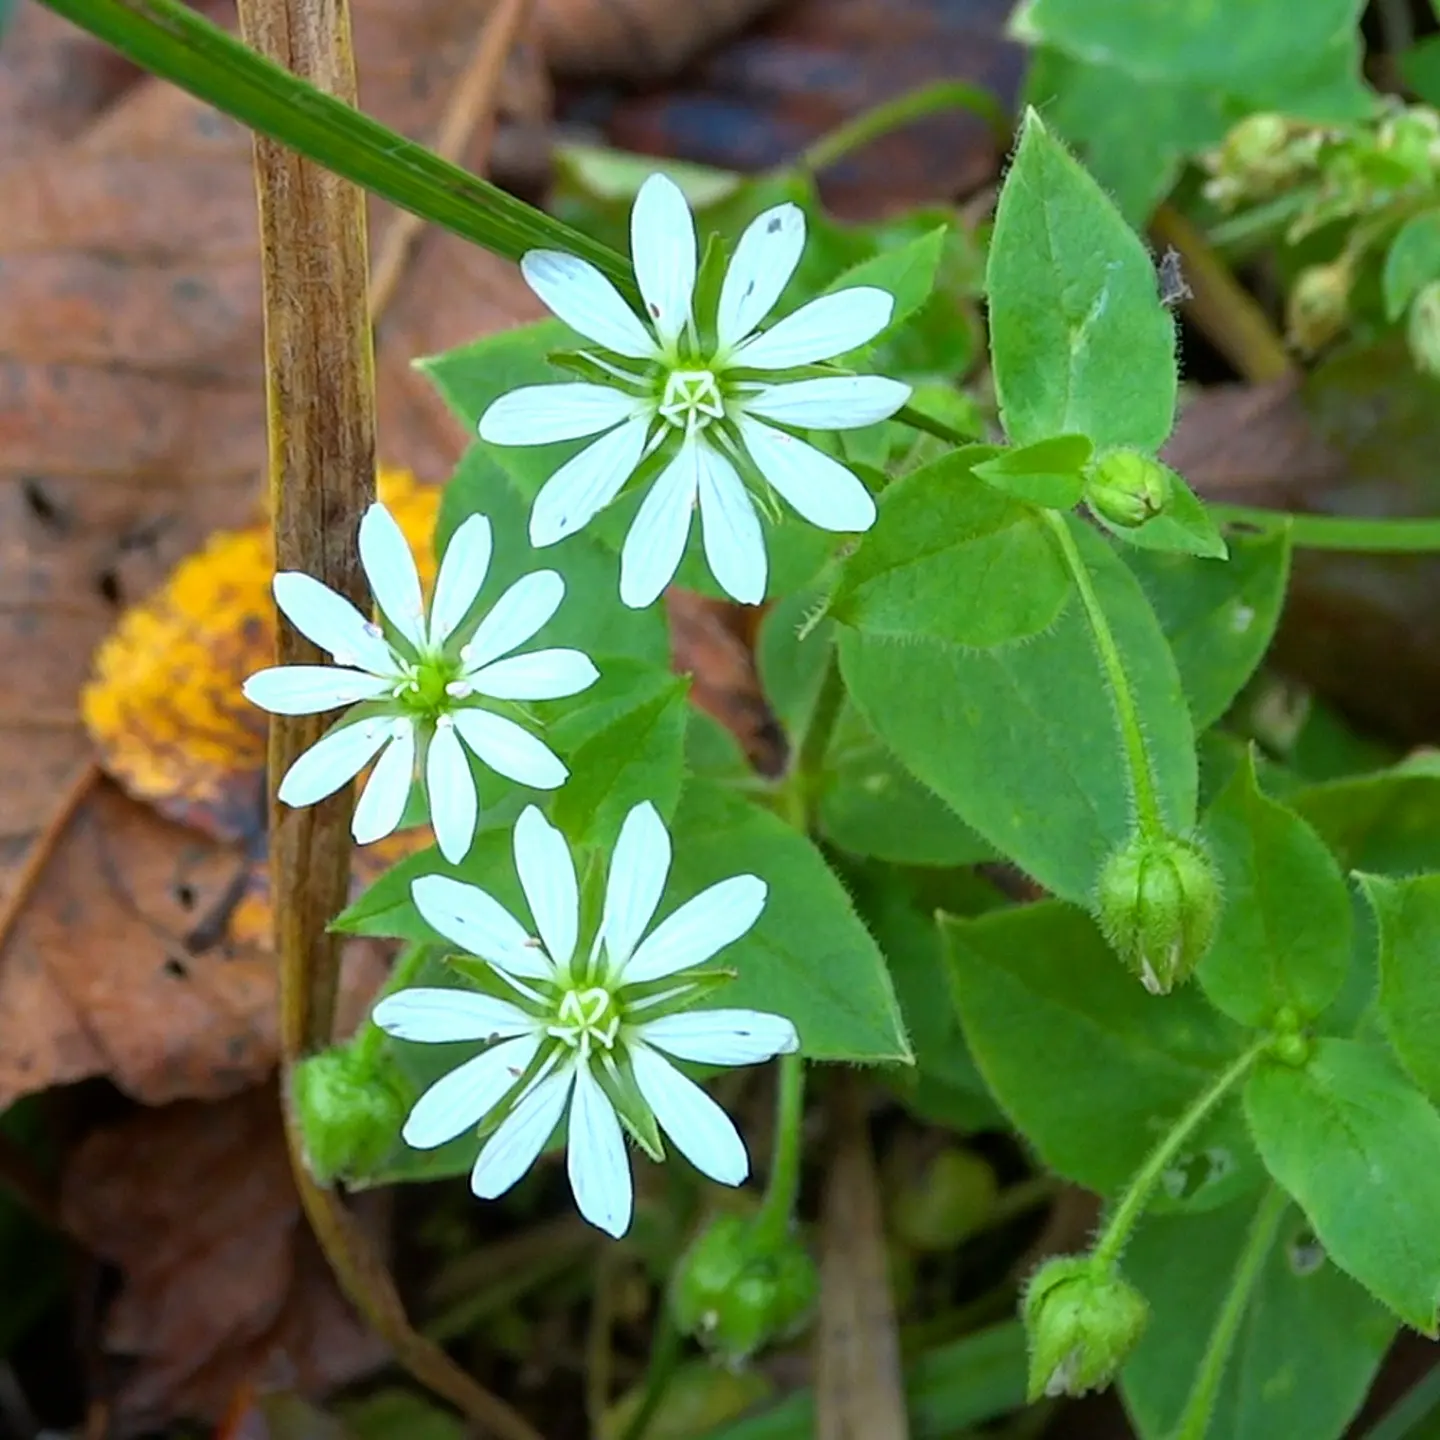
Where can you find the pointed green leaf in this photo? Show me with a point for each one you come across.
(1359, 1148)
(1184, 528)
(1284, 937)
(1408, 912)
(1080, 342)
(1048, 473)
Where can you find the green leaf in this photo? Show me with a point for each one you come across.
(1021, 741)
(1412, 260)
(1307, 1348)
(1080, 342)
(1386, 823)
(1184, 528)
(952, 559)
(1090, 1067)
(1359, 1149)
(638, 754)
(906, 272)
(1408, 912)
(791, 655)
(809, 957)
(1048, 473)
(1219, 619)
(1284, 936)
(171, 40)
(871, 806)
(1420, 68)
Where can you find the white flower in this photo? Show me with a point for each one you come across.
(592, 1034)
(698, 382)
(418, 691)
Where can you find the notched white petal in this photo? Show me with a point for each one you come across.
(599, 1167)
(390, 569)
(656, 542)
(586, 483)
(540, 675)
(699, 1129)
(734, 542)
(525, 608)
(511, 750)
(547, 876)
(639, 866)
(382, 801)
(820, 489)
(333, 623)
(311, 689)
(703, 926)
(662, 249)
(838, 402)
(820, 330)
(761, 267)
(514, 1147)
(334, 760)
(450, 789)
(722, 1037)
(545, 414)
(433, 1016)
(462, 573)
(585, 300)
(461, 1099)
(479, 924)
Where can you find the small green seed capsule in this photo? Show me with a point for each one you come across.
(1319, 305)
(1127, 488)
(350, 1112)
(1158, 902)
(735, 1289)
(1081, 1321)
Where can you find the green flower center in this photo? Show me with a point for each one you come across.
(691, 399)
(586, 1018)
(424, 689)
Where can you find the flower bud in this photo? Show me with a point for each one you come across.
(1257, 158)
(736, 1289)
(1422, 330)
(1081, 1321)
(1319, 305)
(1158, 902)
(1410, 139)
(1127, 488)
(350, 1111)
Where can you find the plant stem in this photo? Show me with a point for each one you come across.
(772, 1222)
(1220, 305)
(814, 741)
(1194, 1423)
(1142, 781)
(1339, 532)
(902, 110)
(664, 1357)
(169, 39)
(1132, 1205)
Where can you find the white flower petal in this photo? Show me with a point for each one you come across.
(450, 788)
(734, 543)
(333, 623)
(656, 541)
(309, 689)
(522, 610)
(700, 928)
(761, 267)
(547, 876)
(540, 675)
(462, 573)
(471, 919)
(510, 750)
(662, 250)
(699, 1129)
(334, 760)
(836, 402)
(820, 489)
(461, 1099)
(390, 569)
(544, 414)
(599, 1167)
(434, 1016)
(722, 1037)
(639, 865)
(820, 330)
(586, 483)
(382, 801)
(514, 1147)
(586, 301)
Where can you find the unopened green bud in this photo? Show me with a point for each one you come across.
(1081, 1321)
(1422, 329)
(736, 1288)
(1257, 158)
(350, 1109)
(1411, 140)
(948, 1201)
(1319, 305)
(1127, 488)
(1158, 902)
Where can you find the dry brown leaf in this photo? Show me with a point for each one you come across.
(224, 1288)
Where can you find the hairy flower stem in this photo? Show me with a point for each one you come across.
(1142, 780)
(1127, 1214)
(777, 1210)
